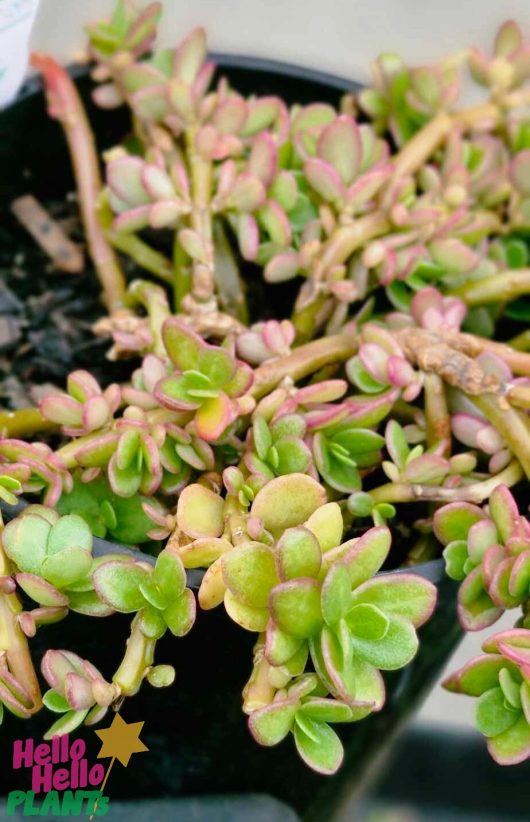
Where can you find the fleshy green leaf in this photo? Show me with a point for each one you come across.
(492, 714)
(271, 724)
(394, 650)
(336, 594)
(118, 584)
(287, 501)
(180, 614)
(298, 554)
(322, 751)
(405, 595)
(295, 607)
(367, 554)
(250, 572)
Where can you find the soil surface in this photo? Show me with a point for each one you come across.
(46, 316)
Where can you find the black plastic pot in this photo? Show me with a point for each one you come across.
(197, 736)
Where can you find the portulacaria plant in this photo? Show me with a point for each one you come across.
(281, 453)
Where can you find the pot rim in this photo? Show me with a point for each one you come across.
(433, 570)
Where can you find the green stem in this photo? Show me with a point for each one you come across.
(227, 278)
(437, 413)
(418, 150)
(313, 295)
(139, 655)
(135, 248)
(512, 425)
(303, 361)
(203, 284)
(24, 422)
(521, 342)
(395, 492)
(14, 642)
(153, 298)
(502, 287)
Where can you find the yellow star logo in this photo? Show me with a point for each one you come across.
(121, 740)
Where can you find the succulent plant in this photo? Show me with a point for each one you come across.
(159, 595)
(489, 552)
(500, 681)
(208, 380)
(267, 434)
(53, 558)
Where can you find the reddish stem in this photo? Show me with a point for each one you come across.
(64, 104)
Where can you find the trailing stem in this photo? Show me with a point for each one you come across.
(139, 655)
(476, 492)
(65, 105)
(303, 361)
(15, 657)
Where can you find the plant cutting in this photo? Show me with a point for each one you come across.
(324, 386)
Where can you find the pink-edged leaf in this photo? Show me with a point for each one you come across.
(263, 159)
(477, 676)
(319, 746)
(405, 595)
(41, 591)
(271, 724)
(78, 692)
(295, 607)
(476, 609)
(454, 255)
(282, 267)
(124, 177)
(453, 521)
(248, 192)
(274, 220)
(508, 39)
(182, 344)
(499, 587)
(325, 180)
(133, 220)
(340, 145)
(512, 745)
(157, 183)
(248, 236)
(164, 213)
(367, 186)
(519, 583)
(214, 416)
(481, 536)
(504, 512)
(367, 555)
(190, 56)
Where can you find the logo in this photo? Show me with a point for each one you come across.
(63, 780)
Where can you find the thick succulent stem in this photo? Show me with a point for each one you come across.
(336, 250)
(154, 300)
(14, 644)
(227, 278)
(512, 425)
(476, 492)
(24, 422)
(502, 287)
(415, 153)
(139, 656)
(521, 342)
(65, 105)
(303, 361)
(203, 283)
(436, 412)
(137, 249)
